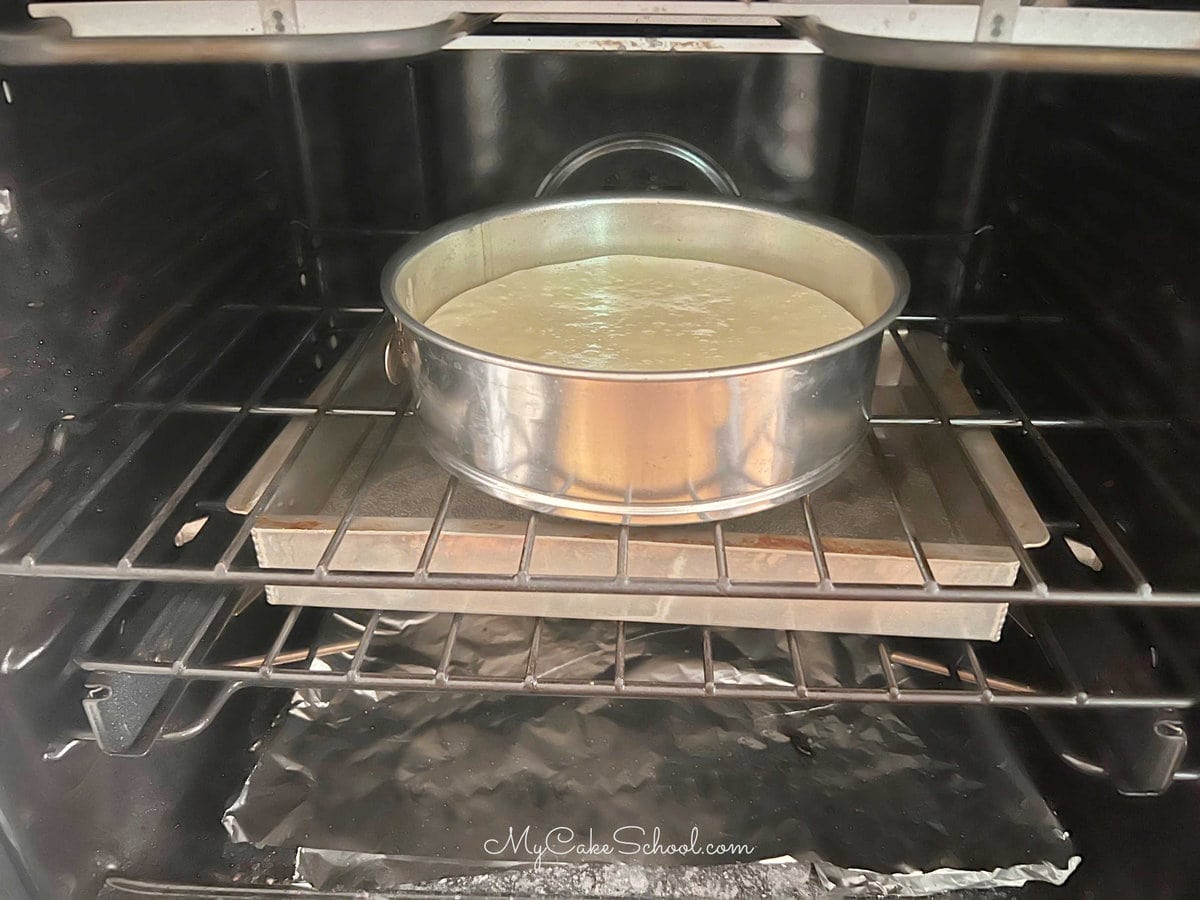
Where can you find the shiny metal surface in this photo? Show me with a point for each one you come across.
(909, 802)
(644, 447)
(775, 126)
(995, 56)
(951, 36)
(581, 157)
(51, 43)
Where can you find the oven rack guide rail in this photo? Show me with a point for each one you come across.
(993, 35)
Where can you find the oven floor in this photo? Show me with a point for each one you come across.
(1131, 846)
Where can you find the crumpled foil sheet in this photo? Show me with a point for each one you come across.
(435, 791)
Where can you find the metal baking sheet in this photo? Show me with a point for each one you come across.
(861, 532)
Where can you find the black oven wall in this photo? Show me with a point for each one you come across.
(1100, 196)
(403, 145)
(1096, 210)
(395, 147)
(138, 198)
(1095, 201)
(135, 202)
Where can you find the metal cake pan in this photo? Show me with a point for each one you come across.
(642, 447)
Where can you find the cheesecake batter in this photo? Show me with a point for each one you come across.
(643, 314)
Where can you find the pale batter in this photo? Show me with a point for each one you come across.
(642, 313)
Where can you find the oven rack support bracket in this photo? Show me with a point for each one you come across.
(1143, 755)
(119, 708)
(128, 711)
(995, 35)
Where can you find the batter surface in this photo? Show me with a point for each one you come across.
(642, 313)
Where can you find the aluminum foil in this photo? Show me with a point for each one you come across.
(532, 794)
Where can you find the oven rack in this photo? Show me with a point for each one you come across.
(171, 690)
(43, 542)
(284, 662)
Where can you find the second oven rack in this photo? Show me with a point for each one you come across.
(279, 659)
(213, 645)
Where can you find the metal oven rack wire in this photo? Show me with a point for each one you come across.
(227, 579)
(35, 557)
(959, 675)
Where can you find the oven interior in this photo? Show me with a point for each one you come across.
(186, 251)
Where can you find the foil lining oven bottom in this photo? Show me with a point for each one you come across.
(530, 795)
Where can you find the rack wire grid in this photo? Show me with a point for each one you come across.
(910, 671)
(233, 565)
(37, 551)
